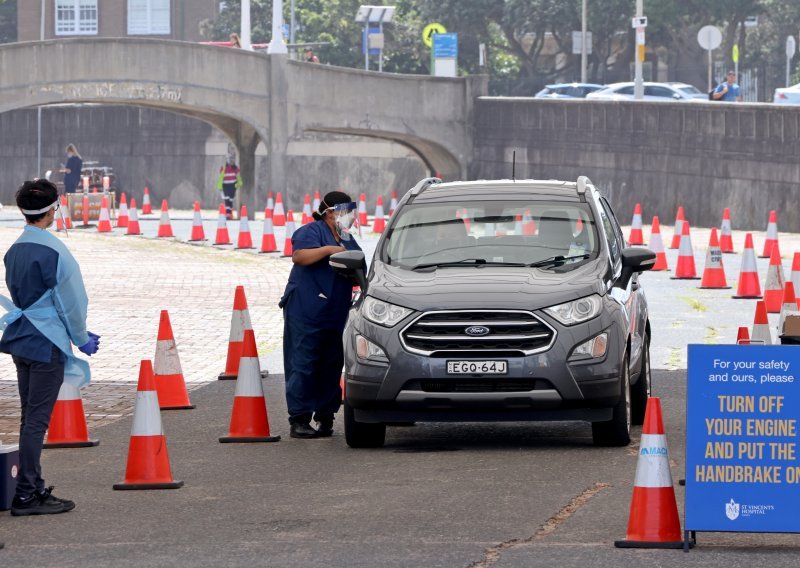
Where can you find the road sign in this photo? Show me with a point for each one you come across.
(445, 46)
(709, 37)
(429, 31)
(577, 43)
(791, 46)
(639, 22)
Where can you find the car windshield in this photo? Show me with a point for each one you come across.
(690, 90)
(513, 233)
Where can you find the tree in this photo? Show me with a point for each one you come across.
(8, 21)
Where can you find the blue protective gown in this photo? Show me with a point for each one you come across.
(48, 303)
(315, 307)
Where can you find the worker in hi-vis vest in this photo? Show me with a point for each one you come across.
(230, 179)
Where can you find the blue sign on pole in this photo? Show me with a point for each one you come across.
(742, 459)
(364, 44)
(445, 46)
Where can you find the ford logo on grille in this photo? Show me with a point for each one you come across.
(477, 330)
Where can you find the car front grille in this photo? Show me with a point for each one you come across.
(509, 332)
(483, 385)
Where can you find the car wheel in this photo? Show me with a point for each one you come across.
(617, 431)
(362, 434)
(642, 390)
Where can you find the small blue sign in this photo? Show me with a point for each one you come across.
(445, 46)
(286, 32)
(742, 456)
(364, 41)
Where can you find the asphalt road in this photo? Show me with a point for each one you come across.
(454, 495)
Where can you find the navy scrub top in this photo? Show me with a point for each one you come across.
(315, 294)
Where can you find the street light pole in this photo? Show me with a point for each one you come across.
(39, 108)
(245, 24)
(583, 42)
(276, 45)
(638, 81)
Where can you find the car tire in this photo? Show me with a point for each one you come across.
(617, 431)
(362, 434)
(642, 390)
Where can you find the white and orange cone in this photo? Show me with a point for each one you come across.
(170, 385)
(104, 223)
(122, 213)
(67, 215)
(198, 232)
(725, 235)
(363, 220)
(685, 268)
(164, 225)
(316, 202)
(773, 287)
(714, 271)
(306, 218)
(657, 246)
(278, 215)
(268, 243)
(287, 243)
(222, 237)
(270, 202)
(528, 224)
(636, 237)
(678, 231)
(794, 276)
(393, 203)
(240, 322)
(748, 286)
(468, 221)
(133, 220)
(761, 333)
(68, 421)
(379, 224)
(245, 239)
(789, 305)
(249, 419)
(772, 235)
(148, 461)
(653, 520)
(743, 336)
(147, 208)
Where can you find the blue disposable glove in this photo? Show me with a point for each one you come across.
(90, 347)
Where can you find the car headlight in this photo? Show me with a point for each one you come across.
(383, 313)
(576, 311)
(365, 349)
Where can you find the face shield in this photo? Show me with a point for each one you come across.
(54, 205)
(345, 217)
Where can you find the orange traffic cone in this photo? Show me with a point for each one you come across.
(198, 233)
(59, 221)
(636, 237)
(676, 234)
(245, 240)
(657, 246)
(68, 421)
(287, 243)
(240, 321)
(714, 271)
(773, 287)
(147, 208)
(268, 243)
(171, 387)
(315, 203)
(528, 224)
(222, 237)
(249, 420)
(393, 203)
(67, 215)
(748, 286)
(278, 216)
(104, 223)
(725, 236)
(122, 213)
(148, 461)
(685, 269)
(743, 336)
(379, 225)
(363, 220)
(341, 385)
(789, 305)
(794, 276)
(164, 225)
(306, 218)
(133, 220)
(761, 332)
(468, 221)
(772, 234)
(653, 520)
(270, 202)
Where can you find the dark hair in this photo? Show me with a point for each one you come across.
(36, 194)
(331, 199)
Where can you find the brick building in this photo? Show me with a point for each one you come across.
(164, 19)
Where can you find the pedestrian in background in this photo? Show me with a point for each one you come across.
(309, 56)
(315, 307)
(47, 316)
(729, 90)
(230, 179)
(235, 40)
(72, 169)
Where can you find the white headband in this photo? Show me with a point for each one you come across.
(38, 211)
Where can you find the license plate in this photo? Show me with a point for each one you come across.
(477, 367)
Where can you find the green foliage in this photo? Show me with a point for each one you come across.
(8, 21)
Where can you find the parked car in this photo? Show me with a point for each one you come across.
(787, 95)
(568, 91)
(498, 301)
(652, 92)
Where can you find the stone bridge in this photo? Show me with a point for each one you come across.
(251, 97)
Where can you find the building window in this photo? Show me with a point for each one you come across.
(76, 17)
(148, 17)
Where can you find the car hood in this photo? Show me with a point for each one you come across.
(485, 287)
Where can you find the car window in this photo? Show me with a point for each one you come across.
(656, 91)
(612, 235)
(625, 90)
(690, 90)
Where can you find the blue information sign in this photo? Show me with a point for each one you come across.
(742, 459)
(365, 41)
(445, 46)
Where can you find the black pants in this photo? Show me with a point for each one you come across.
(39, 384)
(229, 193)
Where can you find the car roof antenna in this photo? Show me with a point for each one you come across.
(514, 166)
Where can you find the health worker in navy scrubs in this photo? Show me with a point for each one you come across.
(315, 306)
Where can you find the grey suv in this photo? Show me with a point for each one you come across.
(498, 301)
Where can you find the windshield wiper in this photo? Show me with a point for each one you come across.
(466, 262)
(557, 260)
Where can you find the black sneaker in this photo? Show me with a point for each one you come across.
(33, 505)
(325, 428)
(47, 495)
(302, 430)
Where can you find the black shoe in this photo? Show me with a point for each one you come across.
(34, 505)
(325, 428)
(47, 495)
(302, 430)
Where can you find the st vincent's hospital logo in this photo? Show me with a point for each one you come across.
(732, 510)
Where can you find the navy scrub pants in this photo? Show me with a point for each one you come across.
(39, 384)
(312, 359)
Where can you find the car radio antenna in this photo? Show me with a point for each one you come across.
(514, 166)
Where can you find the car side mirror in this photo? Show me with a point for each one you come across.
(676, 96)
(635, 260)
(350, 264)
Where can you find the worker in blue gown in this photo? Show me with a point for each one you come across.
(44, 318)
(315, 307)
